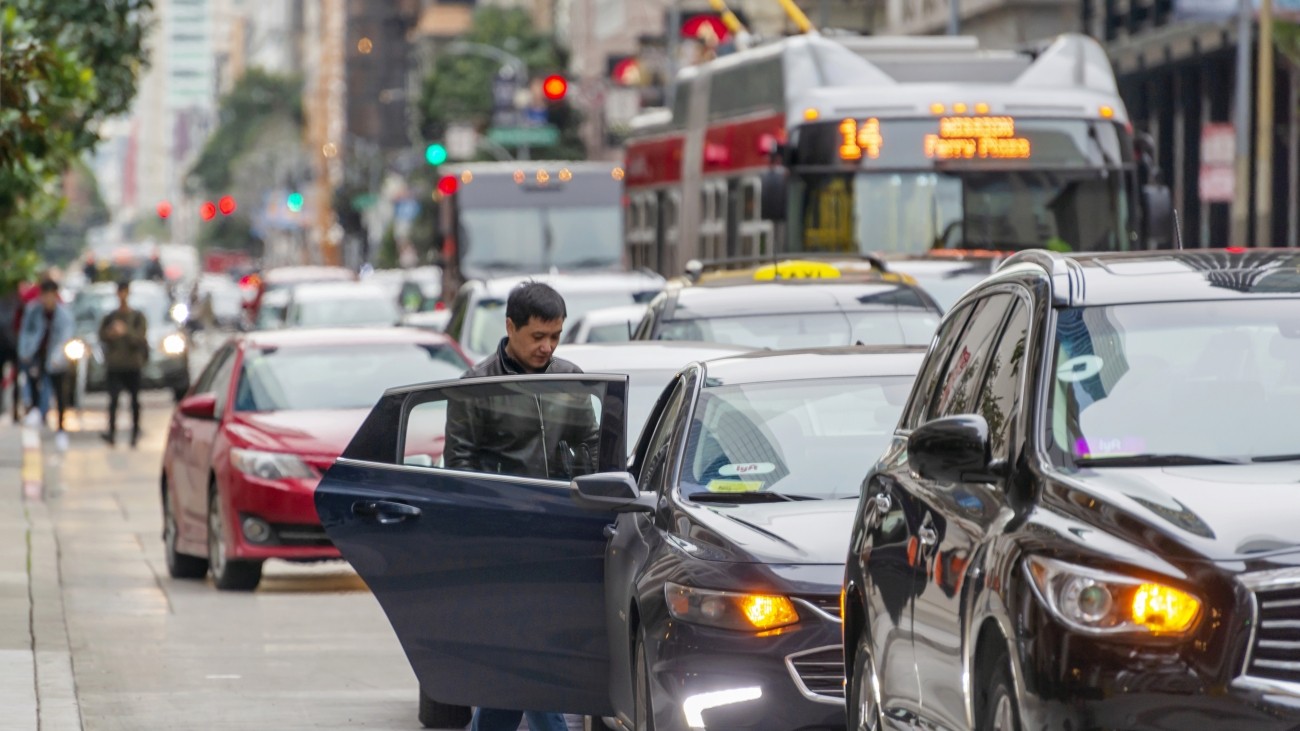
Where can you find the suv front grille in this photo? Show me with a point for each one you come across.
(828, 604)
(1276, 654)
(819, 673)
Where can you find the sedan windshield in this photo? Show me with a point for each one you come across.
(793, 439)
(812, 330)
(344, 312)
(1177, 383)
(339, 377)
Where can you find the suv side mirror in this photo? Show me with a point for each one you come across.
(772, 194)
(953, 449)
(1158, 215)
(199, 406)
(612, 491)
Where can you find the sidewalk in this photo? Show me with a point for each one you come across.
(37, 687)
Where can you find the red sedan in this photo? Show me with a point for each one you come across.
(270, 413)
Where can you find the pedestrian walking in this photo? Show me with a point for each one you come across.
(46, 326)
(11, 312)
(516, 443)
(123, 336)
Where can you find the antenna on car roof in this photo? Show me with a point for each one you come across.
(1178, 232)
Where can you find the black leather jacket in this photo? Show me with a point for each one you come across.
(548, 436)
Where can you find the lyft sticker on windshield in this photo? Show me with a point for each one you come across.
(1079, 368)
(746, 468)
(734, 486)
(1109, 446)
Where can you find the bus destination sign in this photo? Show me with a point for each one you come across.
(967, 138)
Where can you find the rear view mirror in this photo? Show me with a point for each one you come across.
(771, 197)
(612, 491)
(199, 406)
(953, 449)
(1158, 207)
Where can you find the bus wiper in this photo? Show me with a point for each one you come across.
(588, 263)
(1277, 458)
(1152, 460)
(507, 265)
(746, 497)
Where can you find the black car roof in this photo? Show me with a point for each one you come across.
(794, 296)
(1163, 276)
(813, 364)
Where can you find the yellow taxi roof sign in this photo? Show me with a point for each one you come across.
(796, 269)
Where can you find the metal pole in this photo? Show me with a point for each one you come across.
(673, 49)
(954, 18)
(1293, 148)
(1264, 129)
(1241, 127)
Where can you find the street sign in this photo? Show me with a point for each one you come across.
(462, 141)
(534, 117)
(1217, 179)
(525, 136)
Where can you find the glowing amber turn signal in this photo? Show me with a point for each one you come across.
(767, 612)
(811, 114)
(1164, 609)
(1107, 112)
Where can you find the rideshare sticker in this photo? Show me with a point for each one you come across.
(748, 468)
(735, 485)
(1079, 368)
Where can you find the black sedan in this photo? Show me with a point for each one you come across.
(697, 588)
(1086, 519)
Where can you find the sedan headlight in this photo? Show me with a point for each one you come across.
(729, 610)
(174, 344)
(1101, 602)
(269, 465)
(75, 349)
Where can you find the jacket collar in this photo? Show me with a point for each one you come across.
(513, 367)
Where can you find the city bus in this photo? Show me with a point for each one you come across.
(514, 218)
(906, 148)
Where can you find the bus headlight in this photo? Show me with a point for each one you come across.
(75, 349)
(173, 344)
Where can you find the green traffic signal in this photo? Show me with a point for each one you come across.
(294, 202)
(435, 154)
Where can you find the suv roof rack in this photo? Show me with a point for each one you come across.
(1057, 265)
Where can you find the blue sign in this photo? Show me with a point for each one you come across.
(406, 210)
(534, 117)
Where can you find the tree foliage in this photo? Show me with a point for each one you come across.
(65, 66)
(256, 99)
(459, 90)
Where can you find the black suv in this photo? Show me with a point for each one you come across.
(1088, 515)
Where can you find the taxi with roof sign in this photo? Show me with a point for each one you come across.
(696, 585)
(792, 303)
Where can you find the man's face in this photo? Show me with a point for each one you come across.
(534, 343)
(49, 300)
(122, 296)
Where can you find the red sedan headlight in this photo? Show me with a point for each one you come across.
(269, 465)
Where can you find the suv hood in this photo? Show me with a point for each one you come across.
(798, 532)
(1221, 512)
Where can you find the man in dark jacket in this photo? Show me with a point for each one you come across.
(123, 335)
(552, 436)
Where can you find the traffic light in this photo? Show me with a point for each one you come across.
(435, 154)
(164, 209)
(226, 205)
(448, 184)
(555, 87)
(208, 211)
(294, 201)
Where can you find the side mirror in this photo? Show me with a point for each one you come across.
(772, 194)
(1158, 215)
(611, 491)
(199, 406)
(953, 449)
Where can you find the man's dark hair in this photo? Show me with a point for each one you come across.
(49, 285)
(124, 285)
(534, 299)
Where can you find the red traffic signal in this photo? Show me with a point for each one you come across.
(226, 205)
(164, 209)
(448, 184)
(555, 87)
(207, 211)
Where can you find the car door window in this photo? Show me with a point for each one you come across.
(1000, 393)
(542, 428)
(220, 386)
(958, 386)
(658, 451)
(926, 381)
(204, 382)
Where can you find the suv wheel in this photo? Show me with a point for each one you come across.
(440, 715)
(1000, 712)
(863, 689)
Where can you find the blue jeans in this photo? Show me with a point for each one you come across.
(37, 394)
(495, 719)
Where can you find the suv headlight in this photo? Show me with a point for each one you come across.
(75, 349)
(1100, 602)
(269, 465)
(174, 344)
(729, 610)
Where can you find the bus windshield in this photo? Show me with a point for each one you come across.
(536, 239)
(913, 212)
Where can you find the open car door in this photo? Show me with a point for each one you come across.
(492, 578)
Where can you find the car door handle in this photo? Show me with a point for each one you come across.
(384, 511)
(928, 535)
(610, 530)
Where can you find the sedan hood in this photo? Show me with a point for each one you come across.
(312, 433)
(799, 532)
(1221, 512)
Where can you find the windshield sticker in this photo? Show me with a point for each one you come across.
(746, 468)
(1080, 368)
(734, 486)
(1109, 447)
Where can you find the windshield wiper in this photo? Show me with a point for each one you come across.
(508, 265)
(1277, 458)
(587, 263)
(1152, 460)
(746, 497)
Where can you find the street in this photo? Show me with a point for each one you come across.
(310, 649)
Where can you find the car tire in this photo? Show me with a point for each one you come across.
(179, 565)
(178, 393)
(227, 574)
(863, 698)
(643, 713)
(999, 710)
(440, 715)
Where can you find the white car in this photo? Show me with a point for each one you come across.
(341, 304)
(608, 325)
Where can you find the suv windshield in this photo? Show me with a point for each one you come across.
(1177, 383)
(797, 439)
(809, 330)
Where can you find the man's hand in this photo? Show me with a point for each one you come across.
(118, 328)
